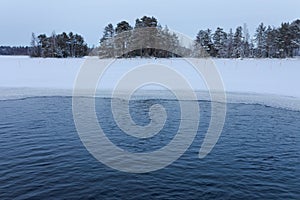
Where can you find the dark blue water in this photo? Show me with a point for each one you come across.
(41, 155)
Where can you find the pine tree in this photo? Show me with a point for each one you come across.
(53, 46)
(270, 42)
(230, 44)
(146, 22)
(220, 39)
(80, 47)
(122, 38)
(108, 33)
(145, 33)
(246, 41)
(251, 49)
(204, 38)
(169, 43)
(43, 45)
(238, 43)
(107, 42)
(285, 41)
(61, 45)
(34, 51)
(260, 39)
(295, 37)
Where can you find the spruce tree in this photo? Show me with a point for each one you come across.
(238, 43)
(220, 39)
(204, 39)
(230, 44)
(260, 39)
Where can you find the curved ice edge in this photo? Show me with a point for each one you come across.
(271, 100)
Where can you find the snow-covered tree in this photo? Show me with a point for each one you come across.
(220, 39)
(106, 48)
(204, 39)
(34, 50)
(108, 33)
(246, 41)
(271, 48)
(260, 39)
(229, 44)
(122, 38)
(295, 37)
(238, 43)
(284, 40)
(143, 38)
(61, 45)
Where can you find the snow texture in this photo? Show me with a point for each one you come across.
(272, 82)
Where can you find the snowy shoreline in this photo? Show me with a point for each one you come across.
(268, 81)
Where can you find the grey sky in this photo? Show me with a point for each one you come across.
(19, 18)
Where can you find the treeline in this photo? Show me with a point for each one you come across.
(268, 42)
(147, 38)
(16, 51)
(125, 40)
(58, 45)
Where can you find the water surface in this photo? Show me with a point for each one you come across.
(41, 155)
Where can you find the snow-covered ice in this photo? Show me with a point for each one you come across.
(267, 81)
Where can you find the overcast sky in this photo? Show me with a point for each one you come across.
(19, 18)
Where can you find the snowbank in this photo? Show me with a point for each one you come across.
(271, 79)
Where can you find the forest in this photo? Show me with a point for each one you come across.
(267, 42)
(58, 45)
(125, 41)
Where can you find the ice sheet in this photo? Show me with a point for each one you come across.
(271, 82)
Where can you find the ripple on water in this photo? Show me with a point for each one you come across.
(41, 155)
